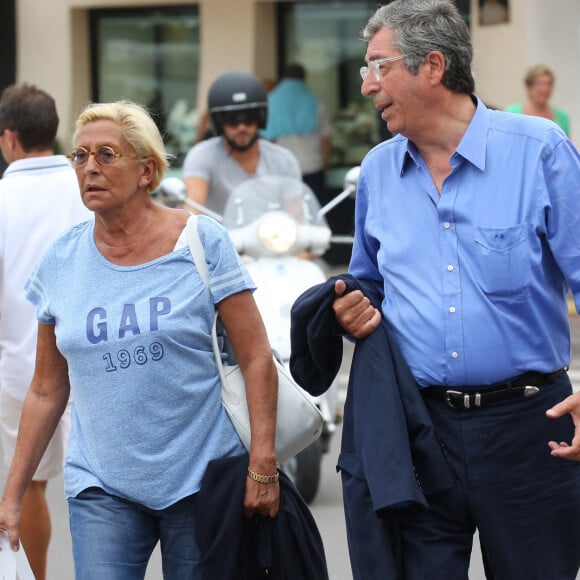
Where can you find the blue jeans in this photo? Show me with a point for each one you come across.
(113, 538)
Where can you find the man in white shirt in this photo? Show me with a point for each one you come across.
(39, 199)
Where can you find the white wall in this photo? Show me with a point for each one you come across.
(43, 49)
(228, 32)
(539, 31)
(555, 41)
(499, 53)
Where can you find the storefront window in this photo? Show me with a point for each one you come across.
(325, 37)
(151, 56)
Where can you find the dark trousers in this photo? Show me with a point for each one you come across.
(524, 503)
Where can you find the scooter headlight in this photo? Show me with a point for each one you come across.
(278, 232)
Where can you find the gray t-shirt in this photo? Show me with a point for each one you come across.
(211, 161)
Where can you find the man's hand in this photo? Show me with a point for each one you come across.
(354, 311)
(563, 449)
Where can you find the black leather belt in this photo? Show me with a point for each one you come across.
(525, 385)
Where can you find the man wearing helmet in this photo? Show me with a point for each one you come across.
(237, 107)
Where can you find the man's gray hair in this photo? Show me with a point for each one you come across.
(422, 26)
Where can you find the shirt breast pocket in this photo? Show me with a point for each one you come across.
(503, 260)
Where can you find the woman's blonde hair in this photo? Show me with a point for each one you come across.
(536, 71)
(137, 127)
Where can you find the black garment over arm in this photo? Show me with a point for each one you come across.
(387, 437)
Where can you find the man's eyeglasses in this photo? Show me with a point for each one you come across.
(375, 66)
(104, 155)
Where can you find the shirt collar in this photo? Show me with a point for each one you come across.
(471, 147)
(32, 163)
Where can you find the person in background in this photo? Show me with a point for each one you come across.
(238, 108)
(124, 324)
(39, 199)
(299, 121)
(466, 222)
(204, 127)
(539, 82)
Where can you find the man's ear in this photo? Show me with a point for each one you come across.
(435, 62)
(11, 138)
(11, 149)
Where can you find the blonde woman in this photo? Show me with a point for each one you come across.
(125, 325)
(539, 82)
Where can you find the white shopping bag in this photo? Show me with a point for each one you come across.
(13, 565)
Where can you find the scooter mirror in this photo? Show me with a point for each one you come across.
(350, 183)
(351, 179)
(171, 192)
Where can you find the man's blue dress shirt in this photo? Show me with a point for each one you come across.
(475, 279)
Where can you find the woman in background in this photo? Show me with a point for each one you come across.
(539, 81)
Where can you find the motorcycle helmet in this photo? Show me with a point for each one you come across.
(237, 97)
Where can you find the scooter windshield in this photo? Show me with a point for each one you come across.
(259, 195)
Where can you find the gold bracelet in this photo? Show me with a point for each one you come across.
(263, 478)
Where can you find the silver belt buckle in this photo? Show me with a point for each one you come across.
(449, 394)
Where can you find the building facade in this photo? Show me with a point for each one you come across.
(165, 54)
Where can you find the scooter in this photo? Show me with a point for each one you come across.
(278, 227)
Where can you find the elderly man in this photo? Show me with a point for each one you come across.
(467, 222)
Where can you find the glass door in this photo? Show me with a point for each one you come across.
(151, 56)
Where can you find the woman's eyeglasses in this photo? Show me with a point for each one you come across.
(104, 155)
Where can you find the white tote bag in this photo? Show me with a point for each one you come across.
(13, 565)
(298, 421)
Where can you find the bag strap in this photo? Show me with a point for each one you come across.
(196, 248)
(198, 254)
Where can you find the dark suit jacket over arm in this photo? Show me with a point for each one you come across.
(387, 437)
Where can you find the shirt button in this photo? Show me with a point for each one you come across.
(450, 268)
(454, 354)
(446, 225)
(452, 309)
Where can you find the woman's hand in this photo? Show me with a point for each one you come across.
(249, 339)
(261, 498)
(10, 522)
